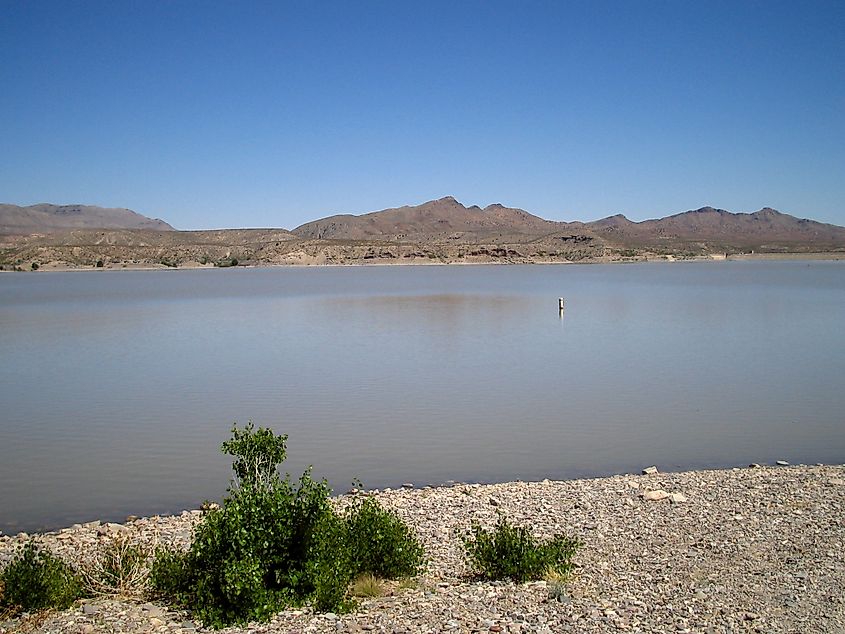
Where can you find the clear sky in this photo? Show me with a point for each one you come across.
(244, 114)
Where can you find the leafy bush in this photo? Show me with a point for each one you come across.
(168, 575)
(275, 543)
(511, 552)
(36, 580)
(381, 543)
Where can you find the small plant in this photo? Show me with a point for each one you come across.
(367, 585)
(34, 266)
(100, 263)
(511, 552)
(121, 568)
(556, 584)
(37, 580)
(408, 584)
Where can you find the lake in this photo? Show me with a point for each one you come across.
(117, 388)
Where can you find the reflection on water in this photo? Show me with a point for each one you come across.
(118, 387)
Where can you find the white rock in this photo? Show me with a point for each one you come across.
(677, 498)
(656, 495)
(650, 470)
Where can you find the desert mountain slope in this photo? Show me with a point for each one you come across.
(47, 218)
(431, 220)
(708, 225)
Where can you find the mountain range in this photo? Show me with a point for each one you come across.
(441, 230)
(47, 218)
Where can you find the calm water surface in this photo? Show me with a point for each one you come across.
(117, 388)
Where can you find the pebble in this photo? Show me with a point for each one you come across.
(641, 568)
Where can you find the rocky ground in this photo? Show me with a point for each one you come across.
(745, 550)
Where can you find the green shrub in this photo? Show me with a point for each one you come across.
(248, 559)
(330, 567)
(381, 543)
(36, 580)
(168, 575)
(511, 552)
(275, 543)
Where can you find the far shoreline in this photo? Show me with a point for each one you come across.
(830, 256)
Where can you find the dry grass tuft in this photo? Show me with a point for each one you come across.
(121, 569)
(367, 585)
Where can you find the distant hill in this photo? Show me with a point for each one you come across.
(698, 231)
(765, 228)
(47, 218)
(430, 220)
(438, 231)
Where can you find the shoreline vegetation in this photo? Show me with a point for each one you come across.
(758, 549)
(197, 266)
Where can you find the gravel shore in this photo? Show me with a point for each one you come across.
(744, 550)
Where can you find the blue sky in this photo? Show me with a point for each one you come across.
(244, 114)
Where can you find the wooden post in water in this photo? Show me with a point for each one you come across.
(560, 304)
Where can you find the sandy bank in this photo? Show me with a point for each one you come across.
(753, 549)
